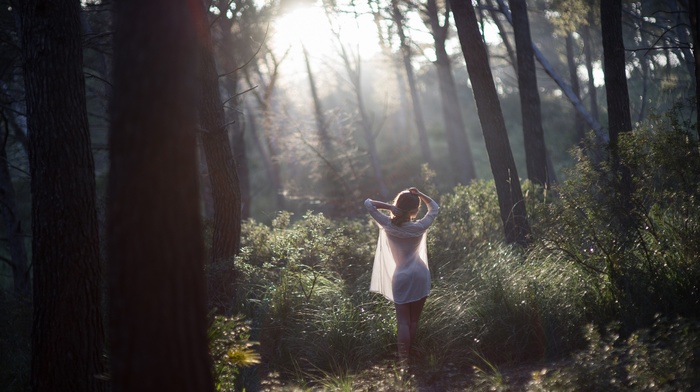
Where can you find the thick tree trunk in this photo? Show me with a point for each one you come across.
(226, 238)
(505, 174)
(411, 78)
(158, 315)
(457, 140)
(67, 333)
(694, 14)
(619, 119)
(533, 134)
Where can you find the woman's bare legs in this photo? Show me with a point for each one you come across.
(407, 316)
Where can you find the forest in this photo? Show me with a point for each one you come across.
(182, 186)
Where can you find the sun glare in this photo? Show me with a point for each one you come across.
(303, 25)
(309, 27)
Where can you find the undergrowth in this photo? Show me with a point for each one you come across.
(605, 297)
(303, 282)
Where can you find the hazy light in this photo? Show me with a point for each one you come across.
(309, 26)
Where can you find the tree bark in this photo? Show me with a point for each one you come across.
(411, 78)
(619, 119)
(457, 140)
(575, 100)
(158, 316)
(505, 174)
(533, 134)
(67, 333)
(694, 14)
(226, 238)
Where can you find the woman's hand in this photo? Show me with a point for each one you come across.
(426, 199)
(395, 210)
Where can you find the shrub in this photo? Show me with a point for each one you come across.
(304, 283)
(661, 358)
(640, 255)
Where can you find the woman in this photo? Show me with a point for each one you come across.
(400, 271)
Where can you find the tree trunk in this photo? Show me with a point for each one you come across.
(575, 100)
(681, 33)
(457, 140)
(226, 238)
(411, 78)
(579, 125)
(502, 31)
(354, 74)
(644, 64)
(694, 14)
(321, 122)
(265, 105)
(227, 48)
(330, 187)
(619, 119)
(67, 333)
(533, 135)
(13, 229)
(505, 174)
(588, 55)
(240, 156)
(274, 152)
(158, 315)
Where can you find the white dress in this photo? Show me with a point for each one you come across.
(400, 270)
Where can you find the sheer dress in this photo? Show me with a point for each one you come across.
(400, 270)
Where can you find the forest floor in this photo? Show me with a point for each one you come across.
(388, 377)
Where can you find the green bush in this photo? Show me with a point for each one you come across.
(661, 358)
(304, 282)
(641, 254)
(305, 285)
